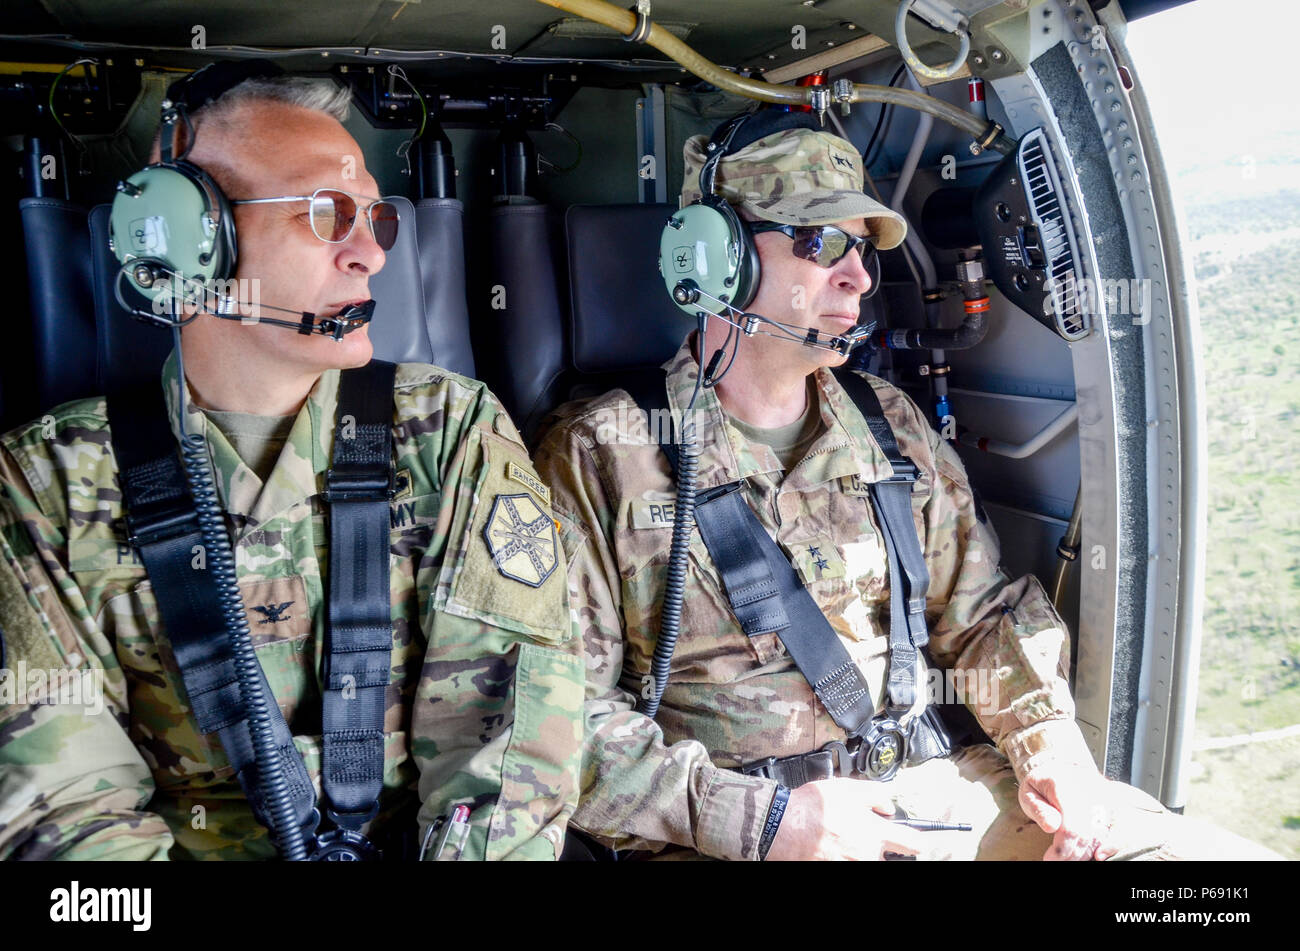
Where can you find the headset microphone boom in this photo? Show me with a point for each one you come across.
(687, 292)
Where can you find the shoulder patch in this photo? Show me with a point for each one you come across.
(521, 539)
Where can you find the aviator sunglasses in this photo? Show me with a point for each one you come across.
(333, 215)
(824, 245)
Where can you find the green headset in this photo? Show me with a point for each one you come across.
(707, 255)
(170, 221)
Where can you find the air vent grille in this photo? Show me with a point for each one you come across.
(1060, 247)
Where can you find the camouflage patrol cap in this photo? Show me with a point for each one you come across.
(798, 176)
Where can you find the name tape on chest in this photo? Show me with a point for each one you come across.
(855, 485)
(646, 513)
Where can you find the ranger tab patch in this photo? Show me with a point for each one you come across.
(521, 539)
(519, 474)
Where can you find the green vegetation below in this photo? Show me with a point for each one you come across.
(1246, 256)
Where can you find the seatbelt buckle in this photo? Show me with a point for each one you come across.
(882, 750)
(905, 470)
(718, 491)
(843, 757)
(344, 845)
(761, 768)
(364, 484)
(155, 527)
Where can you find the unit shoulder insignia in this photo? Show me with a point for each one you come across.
(521, 538)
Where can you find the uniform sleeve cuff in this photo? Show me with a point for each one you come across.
(735, 809)
(1057, 741)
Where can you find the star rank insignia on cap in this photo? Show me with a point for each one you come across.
(521, 539)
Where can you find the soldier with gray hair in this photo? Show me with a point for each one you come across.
(793, 723)
(436, 714)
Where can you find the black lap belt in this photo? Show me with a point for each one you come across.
(925, 739)
(163, 526)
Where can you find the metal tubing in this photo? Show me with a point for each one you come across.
(1025, 449)
(625, 22)
(1069, 540)
(946, 71)
(903, 182)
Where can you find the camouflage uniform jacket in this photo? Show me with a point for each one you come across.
(732, 699)
(485, 696)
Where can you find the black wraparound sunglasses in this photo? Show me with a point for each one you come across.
(824, 245)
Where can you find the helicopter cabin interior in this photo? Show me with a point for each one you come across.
(537, 154)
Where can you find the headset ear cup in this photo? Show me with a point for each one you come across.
(747, 269)
(751, 269)
(698, 248)
(225, 252)
(170, 222)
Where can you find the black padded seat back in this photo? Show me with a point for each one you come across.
(567, 304)
(128, 350)
(403, 327)
(420, 311)
(520, 310)
(440, 238)
(621, 316)
(398, 328)
(60, 283)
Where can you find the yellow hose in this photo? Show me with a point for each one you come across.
(624, 22)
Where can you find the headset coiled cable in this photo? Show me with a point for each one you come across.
(220, 560)
(670, 617)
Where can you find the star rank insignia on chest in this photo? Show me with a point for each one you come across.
(816, 559)
(521, 539)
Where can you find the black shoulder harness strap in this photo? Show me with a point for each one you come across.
(163, 526)
(359, 627)
(767, 595)
(892, 500)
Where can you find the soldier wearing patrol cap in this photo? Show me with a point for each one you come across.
(455, 731)
(745, 758)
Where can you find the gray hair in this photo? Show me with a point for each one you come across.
(319, 95)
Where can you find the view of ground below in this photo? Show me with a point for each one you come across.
(1246, 255)
(1231, 144)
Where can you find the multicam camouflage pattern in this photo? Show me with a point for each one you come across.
(732, 699)
(486, 686)
(795, 177)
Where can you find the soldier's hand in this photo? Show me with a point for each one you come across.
(1070, 802)
(841, 819)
